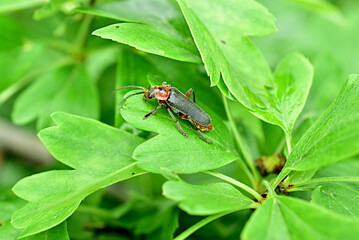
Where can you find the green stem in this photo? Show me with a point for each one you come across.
(245, 169)
(83, 32)
(288, 140)
(235, 183)
(330, 179)
(269, 187)
(240, 144)
(199, 224)
(280, 177)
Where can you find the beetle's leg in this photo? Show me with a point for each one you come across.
(177, 123)
(188, 94)
(153, 111)
(203, 137)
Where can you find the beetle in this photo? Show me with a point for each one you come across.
(173, 99)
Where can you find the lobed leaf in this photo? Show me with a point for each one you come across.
(334, 136)
(290, 218)
(206, 199)
(153, 26)
(293, 79)
(224, 47)
(154, 39)
(171, 149)
(100, 155)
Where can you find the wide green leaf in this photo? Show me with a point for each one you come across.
(171, 149)
(293, 79)
(100, 155)
(338, 198)
(290, 218)
(70, 90)
(334, 136)
(153, 26)
(221, 39)
(206, 199)
(155, 39)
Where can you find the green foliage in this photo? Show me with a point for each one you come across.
(206, 199)
(290, 218)
(334, 136)
(54, 195)
(58, 69)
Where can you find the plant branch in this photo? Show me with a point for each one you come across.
(246, 154)
(199, 224)
(236, 183)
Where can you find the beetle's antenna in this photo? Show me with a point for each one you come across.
(129, 87)
(130, 96)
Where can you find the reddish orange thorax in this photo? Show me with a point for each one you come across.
(162, 92)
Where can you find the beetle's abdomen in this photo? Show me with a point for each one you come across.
(180, 103)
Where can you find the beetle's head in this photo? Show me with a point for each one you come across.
(161, 92)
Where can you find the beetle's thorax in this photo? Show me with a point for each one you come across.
(161, 92)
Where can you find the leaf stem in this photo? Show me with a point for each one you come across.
(235, 183)
(330, 179)
(269, 188)
(288, 140)
(83, 32)
(240, 144)
(199, 224)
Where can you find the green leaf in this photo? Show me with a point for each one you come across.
(293, 79)
(59, 90)
(338, 198)
(171, 149)
(247, 17)
(290, 218)
(334, 136)
(57, 233)
(100, 155)
(145, 11)
(206, 199)
(224, 47)
(155, 39)
(14, 5)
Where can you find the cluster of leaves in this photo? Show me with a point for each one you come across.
(184, 43)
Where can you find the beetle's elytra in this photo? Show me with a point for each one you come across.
(174, 100)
